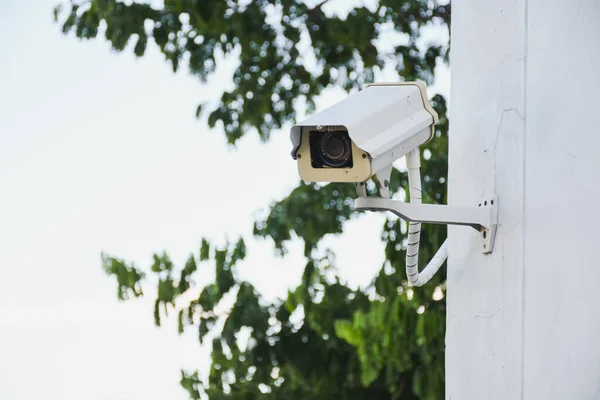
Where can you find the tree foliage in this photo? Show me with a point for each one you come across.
(324, 340)
(289, 52)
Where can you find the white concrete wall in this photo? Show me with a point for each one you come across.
(524, 322)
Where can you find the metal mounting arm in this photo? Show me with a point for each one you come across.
(483, 218)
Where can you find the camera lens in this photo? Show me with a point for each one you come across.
(331, 149)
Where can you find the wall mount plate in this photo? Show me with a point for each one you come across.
(488, 235)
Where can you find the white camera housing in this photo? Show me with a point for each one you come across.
(362, 136)
(383, 122)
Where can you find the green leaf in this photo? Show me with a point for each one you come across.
(344, 330)
(56, 12)
(140, 46)
(185, 278)
(204, 250)
(128, 277)
(180, 326)
(199, 110)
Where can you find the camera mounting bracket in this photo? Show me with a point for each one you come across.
(483, 218)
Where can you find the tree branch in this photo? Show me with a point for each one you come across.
(317, 7)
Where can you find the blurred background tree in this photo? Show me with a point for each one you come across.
(325, 340)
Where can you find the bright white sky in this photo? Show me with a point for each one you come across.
(102, 152)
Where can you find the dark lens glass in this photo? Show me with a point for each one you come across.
(331, 149)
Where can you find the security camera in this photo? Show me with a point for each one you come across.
(362, 136)
(356, 138)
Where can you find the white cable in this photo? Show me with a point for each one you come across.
(434, 265)
(413, 162)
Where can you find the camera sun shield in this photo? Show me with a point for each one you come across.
(364, 133)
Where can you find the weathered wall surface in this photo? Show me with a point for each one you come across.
(524, 322)
(562, 257)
